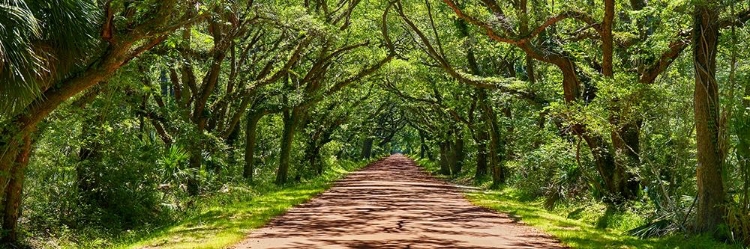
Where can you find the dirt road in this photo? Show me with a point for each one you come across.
(394, 204)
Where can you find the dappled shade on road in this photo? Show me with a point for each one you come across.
(394, 204)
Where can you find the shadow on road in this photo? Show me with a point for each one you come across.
(394, 204)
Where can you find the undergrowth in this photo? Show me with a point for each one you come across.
(579, 224)
(224, 218)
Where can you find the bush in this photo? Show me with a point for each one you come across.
(552, 171)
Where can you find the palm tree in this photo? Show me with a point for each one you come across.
(18, 58)
(40, 41)
(52, 50)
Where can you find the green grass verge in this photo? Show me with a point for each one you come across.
(576, 224)
(223, 221)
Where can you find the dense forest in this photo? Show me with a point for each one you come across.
(121, 117)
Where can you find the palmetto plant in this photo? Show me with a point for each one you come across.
(18, 59)
(39, 41)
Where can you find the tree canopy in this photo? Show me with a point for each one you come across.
(120, 115)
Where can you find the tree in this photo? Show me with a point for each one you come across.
(611, 161)
(117, 44)
(330, 57)
(711, 203)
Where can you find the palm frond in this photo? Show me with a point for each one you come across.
(19, 61)
(69, 28)
(41, 42)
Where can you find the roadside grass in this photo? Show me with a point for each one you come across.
(226, 219)
(577, 225)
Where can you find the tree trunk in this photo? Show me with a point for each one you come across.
(743, 149)
(312, 154)
(711, 211)
(24, 124)
(13, 193)
(231, 141)
(624, 135)
(496, 160)
(508, 138)
(290, 124)
(367, 148)
(604, 163)
(194, 165)
(11, 150)
(19, 128)
(483, 137)
(422, 145)
(626, 142)
(196, 153)
(608, 38)
(445, 158)
(251, 136)
(315, 160)
(495, 144)
(458, 154)
(602, 151)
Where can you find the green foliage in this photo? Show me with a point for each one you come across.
(551, 170)
(574, 226)
(112, 166)
(224, 218)
(40, 41)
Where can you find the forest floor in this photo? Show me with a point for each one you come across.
(394, 204)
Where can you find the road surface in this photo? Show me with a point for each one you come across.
(394, 204)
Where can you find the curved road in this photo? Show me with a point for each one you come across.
(394, 204)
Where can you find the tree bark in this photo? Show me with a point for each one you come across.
(312, 154)
(13, 193)
(251, 136)
(604, 163)
(290, 124)
(711, 200)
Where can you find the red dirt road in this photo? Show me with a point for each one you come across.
(394, 204)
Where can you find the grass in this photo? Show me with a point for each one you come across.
(576, 225)
(223, 221)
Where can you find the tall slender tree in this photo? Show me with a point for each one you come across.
(711, 194)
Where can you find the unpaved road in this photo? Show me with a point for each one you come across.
(394, 204)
